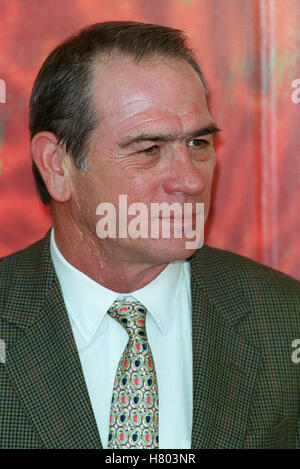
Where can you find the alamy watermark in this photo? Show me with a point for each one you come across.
(295, 96)
(2, 91)
(296, 353)
(160, 221)
(2, 351)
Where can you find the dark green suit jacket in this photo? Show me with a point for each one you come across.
(246, 386)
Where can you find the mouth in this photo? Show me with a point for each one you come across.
(181, 218)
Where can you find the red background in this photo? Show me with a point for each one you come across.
(250, 53)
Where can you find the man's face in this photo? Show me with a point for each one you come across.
(150, 146)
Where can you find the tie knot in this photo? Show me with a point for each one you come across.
(131, 315)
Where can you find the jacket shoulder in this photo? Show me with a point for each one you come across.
(22, 277)
(20, 263)
(253, 278)
(23, 256)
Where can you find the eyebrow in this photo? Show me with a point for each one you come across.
(131, 140)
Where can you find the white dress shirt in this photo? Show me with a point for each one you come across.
(101, 341)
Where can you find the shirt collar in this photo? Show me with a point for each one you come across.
(87, 301)
(161, 295)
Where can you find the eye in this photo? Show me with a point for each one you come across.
(150, 150)
(198, 143)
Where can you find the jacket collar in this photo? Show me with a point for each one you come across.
(209, 274)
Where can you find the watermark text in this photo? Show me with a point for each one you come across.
(296, 353)
(159, 221)
(295, 96)
(2, 91)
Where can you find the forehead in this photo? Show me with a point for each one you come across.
(163, 91)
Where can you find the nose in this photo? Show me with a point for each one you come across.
(185, 175)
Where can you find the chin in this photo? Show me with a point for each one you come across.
(165, 251)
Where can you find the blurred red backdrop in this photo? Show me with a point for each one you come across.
(250, 53)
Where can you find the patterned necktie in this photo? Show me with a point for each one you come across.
(134, 405)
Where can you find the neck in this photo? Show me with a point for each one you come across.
(108, 265)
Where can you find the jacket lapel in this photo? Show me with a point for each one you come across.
(44, 366)
(224, 364)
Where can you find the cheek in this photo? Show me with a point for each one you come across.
(143, 189)
(208, 170)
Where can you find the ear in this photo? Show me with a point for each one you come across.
(53, 164)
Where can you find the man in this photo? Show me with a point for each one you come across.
(120, 110)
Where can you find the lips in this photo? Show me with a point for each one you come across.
(187, 220)
(184, 216)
